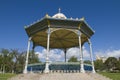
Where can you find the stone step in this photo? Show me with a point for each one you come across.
(60, 76)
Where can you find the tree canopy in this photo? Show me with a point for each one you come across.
(111, 63)
(73, 59)
(99, 65)
(14, 60)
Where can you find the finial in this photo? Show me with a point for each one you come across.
(71, 18)
(76, 18)
(82, 19)
(25, 26)
(47, 16)
(59, 10)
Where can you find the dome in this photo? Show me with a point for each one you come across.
(60, 16)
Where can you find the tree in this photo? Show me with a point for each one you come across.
(1, 62)
(18, 60)
(14, 60)
(111, 63)
(73, 59)
(33, 58)
(5, 60)
(87, 62)
(99, 65)
(118, 64)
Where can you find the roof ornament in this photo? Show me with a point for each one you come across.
(59, 10)
(47, 16)
(76, 18)
(82, 19)
(71, 18)
(59, 15)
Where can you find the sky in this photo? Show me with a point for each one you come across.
(103, 16)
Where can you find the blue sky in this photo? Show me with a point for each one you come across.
(102, 15)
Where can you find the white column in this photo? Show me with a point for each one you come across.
(26, 62)
(91, 56)
(31, 70)
(81, 54)
(47, 58)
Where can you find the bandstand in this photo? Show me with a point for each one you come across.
(59, 32)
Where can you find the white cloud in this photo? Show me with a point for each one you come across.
(86, 53)
(109, 53)
(76, 52)
(54, 55)
(72, 52)
(58, 55)
(41, 55)
(114, 53)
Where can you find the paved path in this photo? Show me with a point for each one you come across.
(60, 76)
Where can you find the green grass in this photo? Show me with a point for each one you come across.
(6, 76)
(113, 76)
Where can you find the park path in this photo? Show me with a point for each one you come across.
(60, 76)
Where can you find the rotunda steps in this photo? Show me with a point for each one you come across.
(60, 76)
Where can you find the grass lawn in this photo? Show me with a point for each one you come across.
(6, 76)
(113, 76)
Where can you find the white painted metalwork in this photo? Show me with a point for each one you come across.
(47, 58)
(91, 56)
(26, 62)
(81, 54)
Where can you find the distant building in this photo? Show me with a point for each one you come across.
(103, 58)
